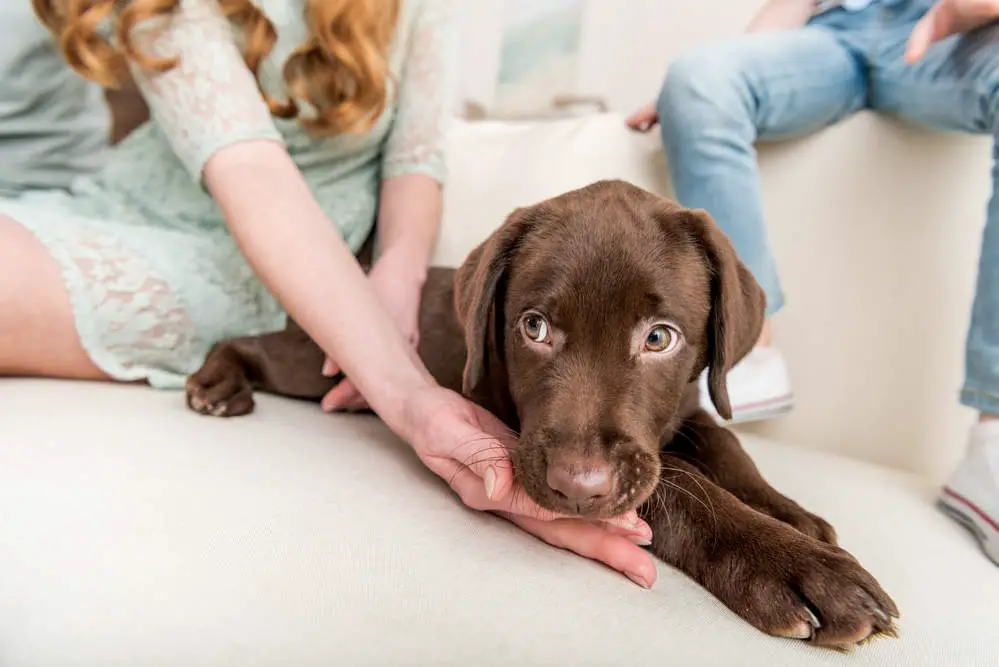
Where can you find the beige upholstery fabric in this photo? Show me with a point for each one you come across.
(133, 532)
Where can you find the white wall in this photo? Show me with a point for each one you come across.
(626, 44)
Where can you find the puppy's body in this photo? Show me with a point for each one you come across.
(583, 323)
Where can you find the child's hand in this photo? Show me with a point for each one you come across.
(946, 18)
(644, 119)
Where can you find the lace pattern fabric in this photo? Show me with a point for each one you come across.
(154, 277)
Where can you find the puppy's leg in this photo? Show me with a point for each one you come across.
(780, 580)
(717, 453)
(287, 363)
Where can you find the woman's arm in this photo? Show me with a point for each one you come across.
(782, 15)
(309, 269)
(409, 218)
(410, 207)
(413, 160)
(215, 118)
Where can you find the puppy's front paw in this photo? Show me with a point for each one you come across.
(789, 585)
(219, 389)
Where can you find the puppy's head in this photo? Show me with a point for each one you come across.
(597, 309)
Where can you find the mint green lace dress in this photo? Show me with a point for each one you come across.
(154, 276)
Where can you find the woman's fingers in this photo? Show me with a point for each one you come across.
(473, 493)
(631, 527)
(479, 454)
(356, 404)
(488, 492)
(330, 368)
(341, 396)
(595, 543)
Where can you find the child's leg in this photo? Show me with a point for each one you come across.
(956, 87)
(718, 100)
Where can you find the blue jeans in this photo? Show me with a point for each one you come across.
(718, 100)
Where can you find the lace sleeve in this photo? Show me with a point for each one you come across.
(210, 99)
(416, 141)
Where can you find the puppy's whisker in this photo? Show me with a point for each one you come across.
(706, 502)
(481, 456)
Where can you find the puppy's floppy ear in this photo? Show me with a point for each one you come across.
(476, 290)
(738, 307)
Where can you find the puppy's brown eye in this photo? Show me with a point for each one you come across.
(535, 327)
(661, 339)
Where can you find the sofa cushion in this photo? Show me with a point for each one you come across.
(134, 532)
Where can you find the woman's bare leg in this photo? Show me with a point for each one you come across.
(37, 333)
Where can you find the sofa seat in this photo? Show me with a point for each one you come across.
(136, 533)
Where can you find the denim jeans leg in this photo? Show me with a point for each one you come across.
(956, 88)
(719, 99)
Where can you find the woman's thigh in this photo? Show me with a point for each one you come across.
(37, 331)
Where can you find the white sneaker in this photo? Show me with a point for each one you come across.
(971, 496)
(759, 388)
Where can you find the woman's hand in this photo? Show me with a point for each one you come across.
(946, 18)
(469, 448)
(398, 284)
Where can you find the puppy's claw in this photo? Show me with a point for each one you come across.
(813, 619)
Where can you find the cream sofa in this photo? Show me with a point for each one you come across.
(135, 533)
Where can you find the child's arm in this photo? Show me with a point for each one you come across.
(782, 15)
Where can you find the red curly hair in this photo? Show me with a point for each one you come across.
(341, 70)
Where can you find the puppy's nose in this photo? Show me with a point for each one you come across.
(581, 480)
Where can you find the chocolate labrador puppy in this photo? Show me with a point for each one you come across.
(583, 323)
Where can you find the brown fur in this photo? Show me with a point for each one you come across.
(602, 264)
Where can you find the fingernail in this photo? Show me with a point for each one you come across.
(628, 522)
(490, 481)
(640, 540)
(327, 368)
(638, 580)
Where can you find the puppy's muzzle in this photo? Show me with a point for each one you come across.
(581, 484)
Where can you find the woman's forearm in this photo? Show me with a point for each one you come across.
(782, 15)
(301, 258)
(409, 218)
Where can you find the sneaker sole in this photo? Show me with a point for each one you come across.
(759, 411)
(981, 525)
